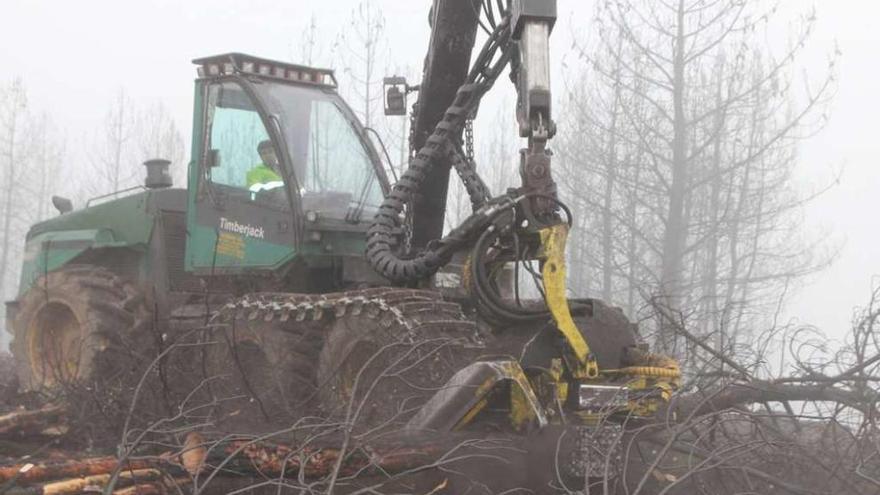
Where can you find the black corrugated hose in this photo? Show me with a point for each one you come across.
(383, 235)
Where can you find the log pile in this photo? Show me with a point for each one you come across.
(199, 462)
(130, 481)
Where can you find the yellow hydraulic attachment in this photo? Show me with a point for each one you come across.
(553, 240)
(652, 372)
(533, 399)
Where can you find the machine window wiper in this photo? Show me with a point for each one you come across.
(355, 214)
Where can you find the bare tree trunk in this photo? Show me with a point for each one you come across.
(732, 303)
(118, 142)
(715, 215)
(632, 250)
(16, 105)
(359, 52)
(676, 231)
(368, 73)
(608, 234)
(47, 156)
(309, 42)
(42, 158)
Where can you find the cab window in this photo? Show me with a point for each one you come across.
(334, 169)
(244, 158)
(338, 161)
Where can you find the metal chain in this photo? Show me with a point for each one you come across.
(469, 140)
(466, 168)
(412, 131)
(407, 224)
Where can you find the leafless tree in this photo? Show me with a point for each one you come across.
(113, 160)
(683, 128)
(807, 426)
(159, 137)
(130, 135)
(49, 151)
(311, 49)
(14, 175)
(31, 154)
(360, 50)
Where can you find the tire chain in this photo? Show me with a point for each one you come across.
(401, 307)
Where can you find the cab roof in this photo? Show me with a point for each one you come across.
(240, 63)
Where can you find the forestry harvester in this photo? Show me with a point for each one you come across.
(323, 282)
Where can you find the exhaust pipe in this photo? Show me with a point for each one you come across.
(158, 176)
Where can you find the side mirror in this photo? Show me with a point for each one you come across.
(212, 158)
(396, 90)
(63, 205)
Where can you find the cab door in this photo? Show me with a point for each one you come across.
(240, 216)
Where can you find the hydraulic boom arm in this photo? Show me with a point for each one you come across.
(523, 225)
(453, 34)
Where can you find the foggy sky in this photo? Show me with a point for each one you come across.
(74, 55)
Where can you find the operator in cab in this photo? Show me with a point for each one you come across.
(265, 176)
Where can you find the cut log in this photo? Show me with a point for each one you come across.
(245, 458)
(142, 489)
(159, 487)
(63, 470)
(273, 460)
(78, 485)
(30, 422)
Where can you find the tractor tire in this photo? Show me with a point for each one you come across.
(78, 325)
(273, 358)
(608, 331)
(377, 368)
(261, 373)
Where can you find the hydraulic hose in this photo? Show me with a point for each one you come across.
(387, 225)
(486, 291)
